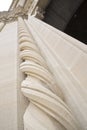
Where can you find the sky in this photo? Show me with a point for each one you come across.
(5, 4)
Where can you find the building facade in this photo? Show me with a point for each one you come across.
(43, 79)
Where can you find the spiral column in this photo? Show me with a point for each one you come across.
(47, 109)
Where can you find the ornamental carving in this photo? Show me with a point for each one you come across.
(47, 109)
(39, 13)
(9, 16)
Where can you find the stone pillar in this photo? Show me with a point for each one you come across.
(21, 3)
(46, 110)
(67, 59)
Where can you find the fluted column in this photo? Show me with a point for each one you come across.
(47, 109)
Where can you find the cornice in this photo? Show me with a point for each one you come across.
(15, 11)
(12, 15)
(23, 8)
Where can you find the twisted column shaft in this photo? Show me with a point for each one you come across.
(39, 86)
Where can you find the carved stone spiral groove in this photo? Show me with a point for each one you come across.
(39, 85)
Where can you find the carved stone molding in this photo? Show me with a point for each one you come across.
(9, 16)
(39, 13)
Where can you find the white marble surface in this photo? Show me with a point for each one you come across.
(67, 59)
(8, 77)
